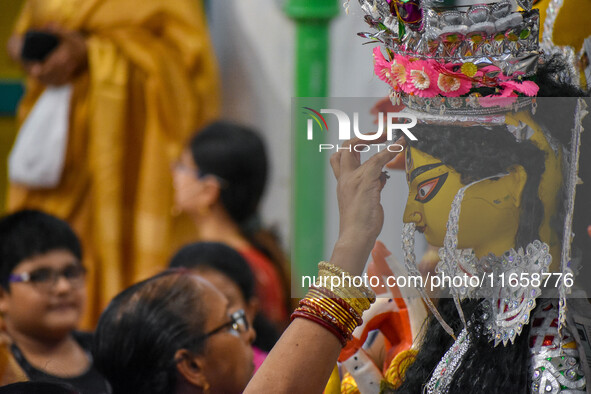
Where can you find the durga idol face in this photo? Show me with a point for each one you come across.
(489, 214)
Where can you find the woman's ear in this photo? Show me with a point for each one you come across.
(211, 190)
(252, 307)
(190, 368)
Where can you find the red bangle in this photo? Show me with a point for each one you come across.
(319, 321)
(328, 316)
(344, 304)
(336, 311)
(329, 294)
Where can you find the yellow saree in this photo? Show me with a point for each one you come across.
(151, 81)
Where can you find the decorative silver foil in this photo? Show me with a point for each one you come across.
(442, 108)
(553, 369)
(508, 40)
(571, 183)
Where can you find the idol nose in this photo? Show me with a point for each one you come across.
(412, 213)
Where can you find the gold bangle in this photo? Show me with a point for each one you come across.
(359, 304)
(329, 269)
(325, 293)
(348, 326)
(337, 311)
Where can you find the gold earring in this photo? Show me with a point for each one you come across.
(206, 388)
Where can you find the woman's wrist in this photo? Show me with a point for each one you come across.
(351, 253)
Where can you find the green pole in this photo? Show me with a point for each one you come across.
(312, 19)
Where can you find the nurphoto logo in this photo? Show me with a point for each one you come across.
(393, 121)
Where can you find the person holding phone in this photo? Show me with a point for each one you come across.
(52, 56)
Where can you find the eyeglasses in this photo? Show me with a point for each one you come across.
(45, 279)
(237, 325)
(200, 174)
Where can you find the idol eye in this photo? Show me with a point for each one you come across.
(426, 190)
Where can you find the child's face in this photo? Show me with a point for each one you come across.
(43, 307)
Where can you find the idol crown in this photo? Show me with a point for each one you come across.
(455, 56)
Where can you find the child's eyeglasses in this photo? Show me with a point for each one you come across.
(45, 279)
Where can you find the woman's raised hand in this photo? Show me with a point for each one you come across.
(361, 214)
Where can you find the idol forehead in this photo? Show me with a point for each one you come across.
(419, 164)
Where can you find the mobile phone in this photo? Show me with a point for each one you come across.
(37, 45)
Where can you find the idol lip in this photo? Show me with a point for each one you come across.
(421, 229)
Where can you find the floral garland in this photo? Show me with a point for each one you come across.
(429, 78)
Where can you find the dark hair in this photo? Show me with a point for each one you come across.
(237, 155)
(222, 258)
(142, 328)
(485, 369)
(218, 257)
(37, 388)
(29, 233)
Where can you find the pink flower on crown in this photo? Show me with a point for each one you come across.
(398, 70)
(497, 101)
(529, 88)
(393, 72)
(507, 95)
(422, 79)
(453, 84)
(506, 98)
(380, 64)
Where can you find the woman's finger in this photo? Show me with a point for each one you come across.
(350, 158)
(335, 163)
(379, 160)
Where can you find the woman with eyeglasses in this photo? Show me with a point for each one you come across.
(42, 293)
(227, 270)
(174, 333)
(218, 182)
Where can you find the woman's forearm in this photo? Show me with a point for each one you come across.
(305, 355)
(301, 362)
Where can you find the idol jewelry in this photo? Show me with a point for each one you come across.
(511, 301)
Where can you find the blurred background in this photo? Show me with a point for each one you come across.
(255, 44)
